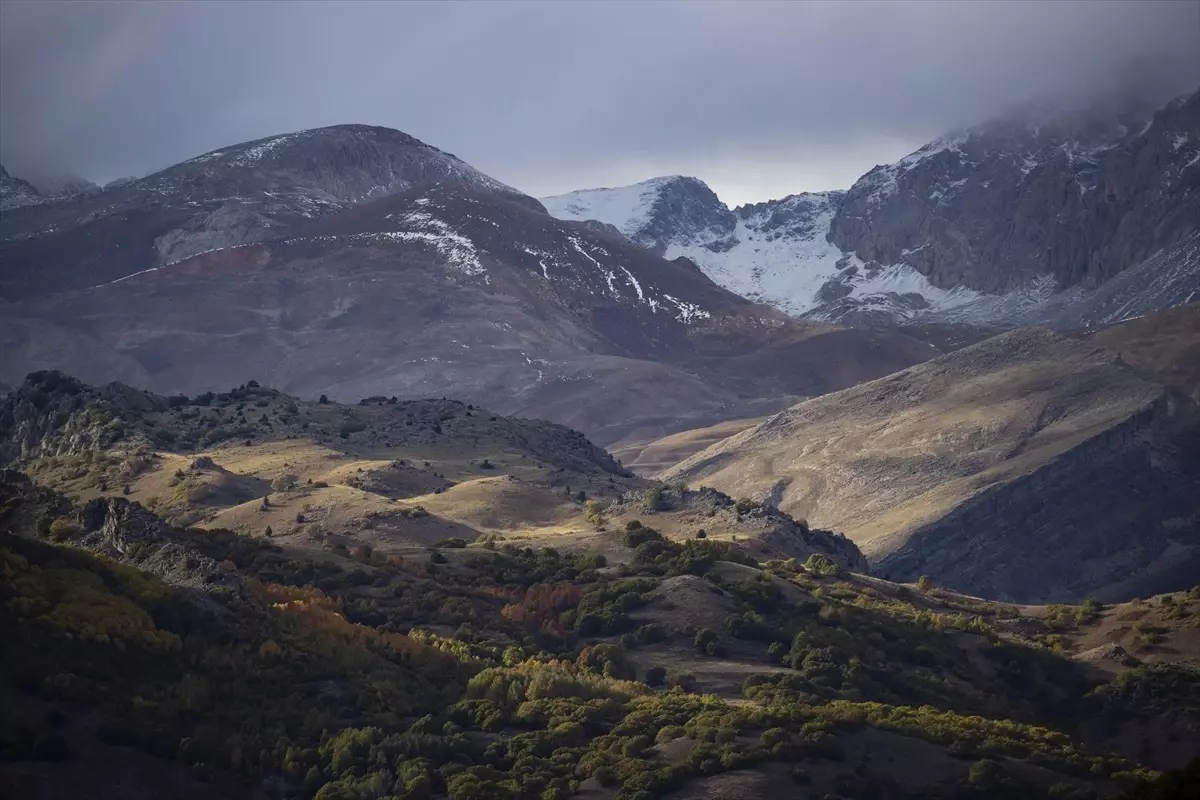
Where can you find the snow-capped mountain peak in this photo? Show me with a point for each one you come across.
(1050, 214)
(774, 252)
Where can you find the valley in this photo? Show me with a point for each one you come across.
(886, 492)
(543, 620)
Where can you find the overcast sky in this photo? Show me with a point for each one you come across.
(759, 100)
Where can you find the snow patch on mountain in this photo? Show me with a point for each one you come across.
(16, 193)
(785, 268)
(625, 207)
(458, 250)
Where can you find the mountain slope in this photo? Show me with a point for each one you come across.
(773, 252)
(1045, 216)
(251, 192)
(1027, 467)
(455, 288)
(354, 670)
(16, 193)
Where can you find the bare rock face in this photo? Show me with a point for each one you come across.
(1074, 197)
(52, 414)
(16, 193)
(125, 531)
(1028, 467)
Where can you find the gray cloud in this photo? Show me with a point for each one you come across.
(758, 99)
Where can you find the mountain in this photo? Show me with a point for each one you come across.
(246, 193)
(16, 193)
(1030, 467)
(357, 261)
(1085, 197)
(1044, 216)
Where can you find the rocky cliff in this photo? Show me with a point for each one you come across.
(1072, 198)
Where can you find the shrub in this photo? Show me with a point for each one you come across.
(686, 682)
(986, 774)
(654, 499)
(640, 535)
(351, 426)
(704, 637)
(284, 482)
(650, 633)
(62, 529)
(655, 676)
(821, 564)
(925, 583)
(745, 505)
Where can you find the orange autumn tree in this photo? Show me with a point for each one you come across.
(542, 605)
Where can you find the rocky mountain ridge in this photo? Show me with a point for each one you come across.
(1045, 216)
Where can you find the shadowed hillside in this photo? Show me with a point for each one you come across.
(1027, 467)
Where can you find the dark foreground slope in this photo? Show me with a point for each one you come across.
(520, 673)
(1028, 467)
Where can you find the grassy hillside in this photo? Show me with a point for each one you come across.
(1029, 466)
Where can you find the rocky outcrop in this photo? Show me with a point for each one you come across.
(16, 193)
(123, 530)
(52, 414)
(759, 528)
